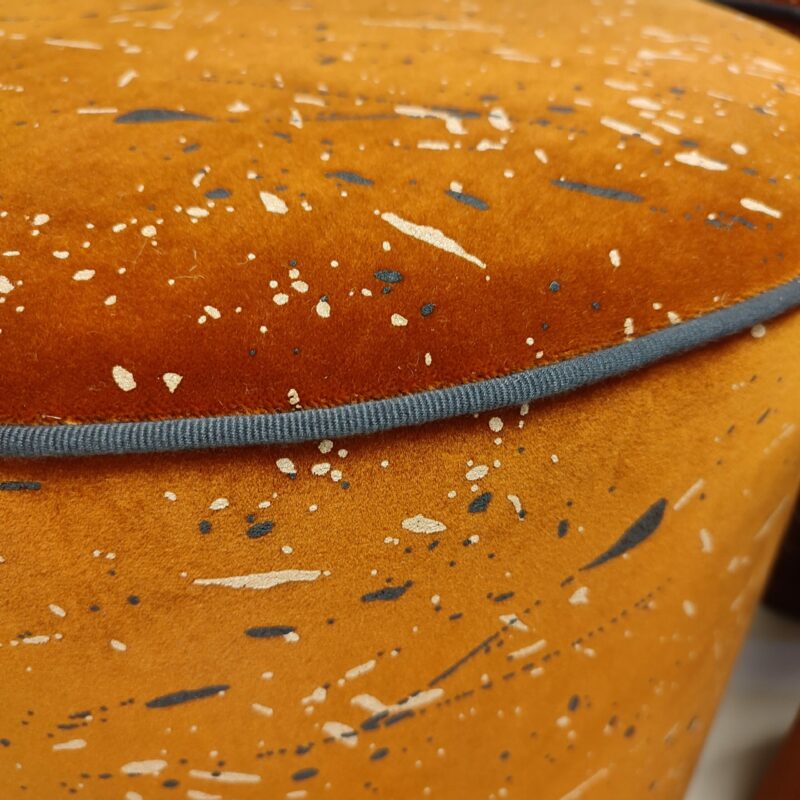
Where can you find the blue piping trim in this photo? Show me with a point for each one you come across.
(292, 427)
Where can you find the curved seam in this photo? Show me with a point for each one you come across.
(374, 416)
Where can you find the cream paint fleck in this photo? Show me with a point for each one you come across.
(706, 541)
(629, 130)
(421, 524)
(72, 744)
(761, 208)
(123, 378)
(529, 650)
(126, 78)
(499, 120)
(73, 44)
(323, 309)
(273, 203)
(224, 777)
(579, 791)
(453, 123)
(261, 580)
(691, 492)
(40, 639)
(237, 107)
(152, 766)
(477, 472)
(361, 669)
(341, 732)
(286, 466)
(172, 380)
(432, 236)
(693, 158)
(580, 596)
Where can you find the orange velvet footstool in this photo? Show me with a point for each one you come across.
(396, 400)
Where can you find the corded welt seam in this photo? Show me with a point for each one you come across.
(105, 438)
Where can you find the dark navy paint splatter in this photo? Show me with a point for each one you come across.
(598, 191)
(269, 631)
(389, 275)
(159, 115)
(387, 593)
(20, 486)
(636, 534)
(469, 200)
(480, 503)
(350, 177)
(185, 695)
(304, 774)
(260, 529)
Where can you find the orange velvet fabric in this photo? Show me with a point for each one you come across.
(227, 208)
(541, 603)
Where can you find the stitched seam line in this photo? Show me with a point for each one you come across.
(373, 416)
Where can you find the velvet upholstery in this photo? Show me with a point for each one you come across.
(247, 208)
(470, 609)
(161, 145)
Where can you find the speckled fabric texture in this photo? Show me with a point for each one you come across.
(542, 602)
(214, 211)
(217, 209)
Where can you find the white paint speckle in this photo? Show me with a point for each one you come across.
(693, 158)
(238, 107)
(261, 580)
(72, 744)
(477, 472)
(152, 766)
(432, 236)
(171, 380)
(123, 378)
(761, 208)
(421, 524)
(323, 308)
(83, 275)
(286, 466)
(273, 203)
(580, 596)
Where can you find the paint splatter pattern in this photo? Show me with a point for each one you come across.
(541, 602)
(227, 208)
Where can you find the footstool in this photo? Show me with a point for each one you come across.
(396, 400)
